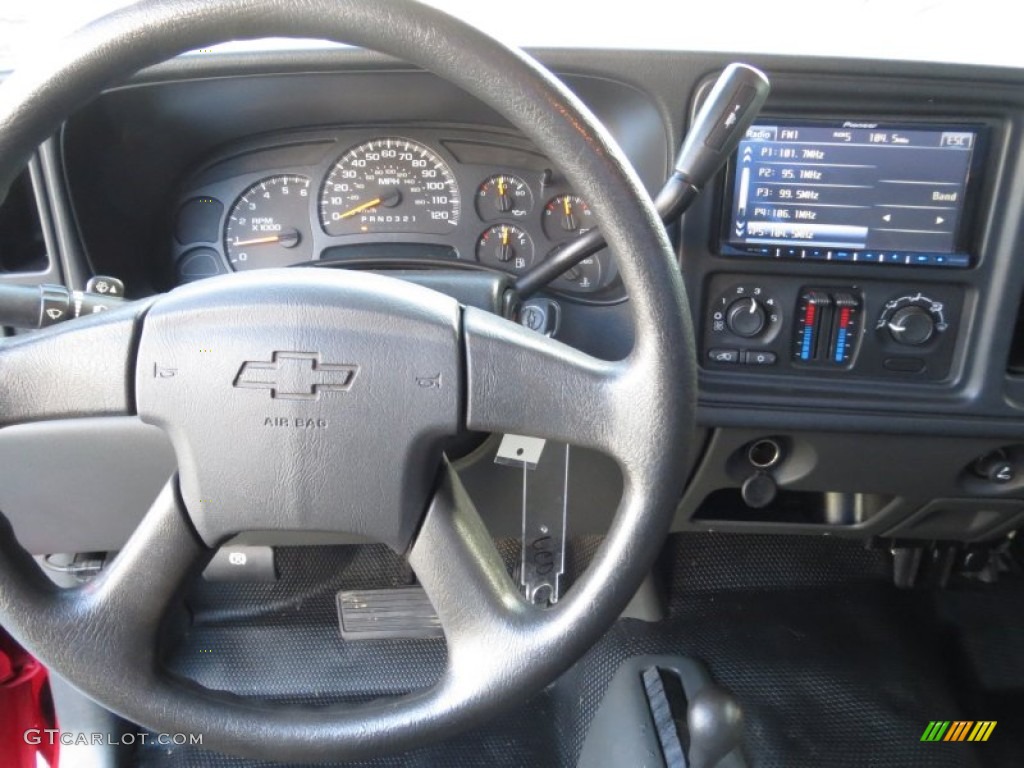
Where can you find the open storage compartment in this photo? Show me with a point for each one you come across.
(794, 507)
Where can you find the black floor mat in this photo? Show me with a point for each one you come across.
(832, 665)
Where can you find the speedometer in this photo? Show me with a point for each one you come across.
(390, 185)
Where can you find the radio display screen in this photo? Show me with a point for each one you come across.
(852, 191)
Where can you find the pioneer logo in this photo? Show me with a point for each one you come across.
(849, 124)
(296, 376)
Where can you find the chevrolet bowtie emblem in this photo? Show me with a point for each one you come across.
(296, 376)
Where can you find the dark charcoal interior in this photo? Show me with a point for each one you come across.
(828, 658)
(843, 559)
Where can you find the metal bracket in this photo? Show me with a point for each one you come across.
(544, 515)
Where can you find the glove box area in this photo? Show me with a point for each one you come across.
(887, 486)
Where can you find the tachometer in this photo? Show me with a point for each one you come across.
(390, 185)
(268, 226)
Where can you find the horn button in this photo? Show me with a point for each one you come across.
(303, 399)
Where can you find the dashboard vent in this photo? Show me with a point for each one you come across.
(22, 247)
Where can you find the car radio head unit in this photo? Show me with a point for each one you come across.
(853, 191)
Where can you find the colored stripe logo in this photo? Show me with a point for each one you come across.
(958, 730)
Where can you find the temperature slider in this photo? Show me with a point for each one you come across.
(828, 327)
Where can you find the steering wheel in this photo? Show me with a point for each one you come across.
(319, 400)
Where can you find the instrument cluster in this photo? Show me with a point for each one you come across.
(424, 195)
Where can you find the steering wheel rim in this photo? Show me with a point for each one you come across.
(104, 636)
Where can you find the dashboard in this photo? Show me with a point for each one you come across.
(417, 196)
(855, 274)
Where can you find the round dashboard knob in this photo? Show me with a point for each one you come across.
(911, 326)
(996, 468)
(746, 317)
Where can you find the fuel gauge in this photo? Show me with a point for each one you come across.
(505, 246)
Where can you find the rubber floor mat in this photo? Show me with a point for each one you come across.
(832, 665)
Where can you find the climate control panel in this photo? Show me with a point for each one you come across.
(875, 329)
(744, 319)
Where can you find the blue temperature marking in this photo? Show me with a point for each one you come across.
(805, 352)
(841, 346)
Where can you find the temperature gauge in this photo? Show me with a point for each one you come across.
(505, 246)
(584, 277)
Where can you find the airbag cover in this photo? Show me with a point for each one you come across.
(303, 399)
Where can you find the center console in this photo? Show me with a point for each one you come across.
(858, 273)
(841, 196)
(854, 263)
